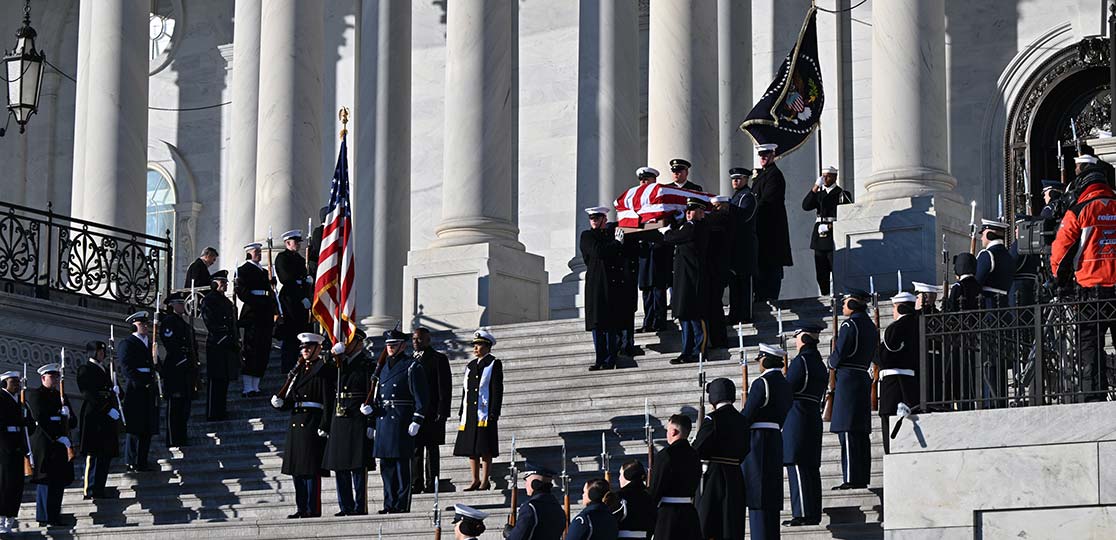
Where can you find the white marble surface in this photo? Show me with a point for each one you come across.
(734, 87)
(940, 533)
(942, 489)
(238, 190)
(1090, 523)
(1106, 456)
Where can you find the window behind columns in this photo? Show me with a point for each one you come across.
(160, 210)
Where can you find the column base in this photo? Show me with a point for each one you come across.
(1105, 148)
(474, 285)
(876, 238)
(375, 325)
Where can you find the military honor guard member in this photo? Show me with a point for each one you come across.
(965, 292)
(222, 345)
(771, 226)
(808, 378)
(743, 253)
(297, 288)
(722, 443)
(426, 465)
(690, 294)
(1052, 191)
(680, 175)
(257, 317)
(177, 368)
(141, 392)
(636, 514)
(718, 264)
(675, 477)
(348, 450)
(50, 444)
(595, 519)
(468, 522)
(926, 297)
(13, 448)
(399, 411)
(823, 199)
(541, 517)
(482, 398)
(98, 419)
(769, 400)
(995, 267)
(197, 275)
(309, 397)
(852, 409)
(899, 358)
(605, 316)
(655, 275)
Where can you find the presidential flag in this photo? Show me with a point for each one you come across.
(334, 303)
(792, 105)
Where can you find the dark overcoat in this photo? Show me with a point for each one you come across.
(222, 342)
(771, 216)
(853, 355)
(605, 302)
(656, 262)
(197, 276)
(690, 294)
(439, 389)
(348, 447)
(769, 400)
(540, 518)
(899, 351)
(290, 269)
(257, 317)
(721, 443)
(593, 522)
(676, 473)
(824, 204)
(304, 447)
(177, 366)
(98, 433)
(637, 509)
(743, 255)
(13, 447)
(808, 378)
(51, 463)
(474, 439)
(141, 393)
(400, 400)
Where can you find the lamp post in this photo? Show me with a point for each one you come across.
(24, 74)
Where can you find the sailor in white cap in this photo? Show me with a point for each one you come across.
(13, 444)
(768, 401)
(822, 199)
(50, 444)
(257, 317)
(647, 173)
(995, 265)
(468, 522)
(927, 294)
(482, 400)
(899, 358)
(295, 293)
(802, 431)
(141, 392)
(605, 316)
(772, 231)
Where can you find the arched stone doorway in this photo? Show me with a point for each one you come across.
(1071, 85)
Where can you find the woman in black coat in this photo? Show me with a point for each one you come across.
(477, 435)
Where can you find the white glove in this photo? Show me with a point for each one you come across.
(276, 402)
(619, 235)
(65, 410)
(116, 390)
(823, 228)
(306, 303)
(820, 181)
(114, 414)
(413, 429)
(370, 432)
(322, 434)
(64, 441)
(366, 409)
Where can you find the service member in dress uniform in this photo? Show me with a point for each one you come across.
(595, 520)
(995, 271)
(426, 465)
(675, 477)
(852, 409)
(468, 522)
(636, 514)
(291, 270)
(141, 392)
(690, 294)
(605, 305)
(926, 298)
(721, 443)
(899, 358)
(1025, 282)
(769, 400)
(50, 444)
(808, 378)
(482, 399)
(197, 275)
(823, 199)
(541, 517)
(680, 175)
(222, 345)
(965, 292)
(771, 226)
(13, 448)
(656, 261)
(348, 450)
(743, 260)
(399, 411)
(98, 420)
(315, 246)
(257, 317)
(962, 373)
(718, 264)
(177, 368)
(1052, 191)
(309, 397)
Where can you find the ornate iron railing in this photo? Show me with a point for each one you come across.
(47, 253)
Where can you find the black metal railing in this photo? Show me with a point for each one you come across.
(1018, 356)
(45, 254)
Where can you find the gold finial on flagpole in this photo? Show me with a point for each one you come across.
(343, 115)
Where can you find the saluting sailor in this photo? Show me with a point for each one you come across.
(141, 392)
(13, 447)
(50, 444)
(899, 358)
(541, 517)
(257, 317)
(802, 431)
(721, 443)
(468, 522)
(98, 420)
(290, 269)
(348, 451)
(177, 368)
(769, 400)
(852, 409)
(823, 199)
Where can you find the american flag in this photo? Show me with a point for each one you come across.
(334, 303)
(651, 202)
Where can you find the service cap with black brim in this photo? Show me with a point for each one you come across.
(597, 211)
(903, 298)
(739, 172)
(531, 469)
(9, 375)
(694, 203)
(395, 336)
(647, 172)
(464, 512)
(993, 225)
(253, 246)
(772, 350)
(765, 148)
(293, 234)
(808, 328)
(1052, 185)
(483, 337)
(138, 317)
(49, 368)
(921, 287)
(309, 339)
(220, 275)
(175, 298)
(679, 162)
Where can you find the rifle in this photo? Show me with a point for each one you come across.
(155, 344)
(375, 383)
(309, 236)
(972, 228)
(514, 473)
(437, 512)
(743, 365)
(782, 337)
(292, 376)
(111, 353)
(565, 491)
(1062, 165)
(193, 339)
(649, 434)
(827, 408)
(29, 459)
(271, 277)
(604, 460)
(70, 452)
(1076, 141)
(945, 272)
(701, 402)
(874, 395)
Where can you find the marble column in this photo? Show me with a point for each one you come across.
(477, 272)
(290, 185)
(682, 104)
(384, 154)
(734, 90)
(910, 146)
(110, 134)
(238, 190)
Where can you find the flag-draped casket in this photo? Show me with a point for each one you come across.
(652, 202)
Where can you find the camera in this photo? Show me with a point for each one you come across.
(1035, 236)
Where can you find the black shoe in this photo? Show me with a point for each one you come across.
(415, 490)
(609, 366)
(44, 524)
(635, 351)
(430, 488)
(295, 515)
(383, 511)
(683, 360)
(594, 367)
(358, 513)
(341, 514)
(800, 521)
